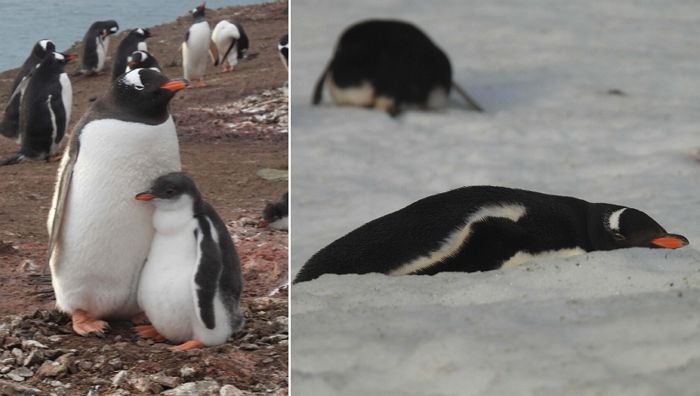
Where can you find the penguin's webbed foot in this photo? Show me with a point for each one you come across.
(140, 319)
(192, 344)
(200, 84)
(148, 331)
(84, 325)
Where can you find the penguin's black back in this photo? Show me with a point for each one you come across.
(34, 58)
(243, 42)
(283, 45)
(127, 46)
(388, 242)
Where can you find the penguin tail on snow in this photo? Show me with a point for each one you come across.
(471, 103)
(15, 159)
(318, 90)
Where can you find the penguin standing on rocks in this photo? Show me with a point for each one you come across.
(231, 44)
(95, 46)
(134, 41)
(142, 60)
(9, 126)
(391, 66)
(196, 46)
(99, 236)
(276, 215)
(190, 286)
(45, 108)
(484, 228)
(283, 48)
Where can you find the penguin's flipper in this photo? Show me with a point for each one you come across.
(318, 90)
(233, 44)
(58, 115)
(471, 103)
(214, 53)
(207, 274)
(187, 35)
(9, 126)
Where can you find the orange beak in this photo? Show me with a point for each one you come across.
(175, 85)
(131, 64)
(144, 196)
(71, 57)
(262, 224)
(670, 241)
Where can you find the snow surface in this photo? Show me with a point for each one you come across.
(618, 323)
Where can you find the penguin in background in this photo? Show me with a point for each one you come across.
(95, 46)
(283, 48)
(231, 44)
(484, 228)
(276, 215)
(190, 286)
(134, 41)
(9, 126)
(123, 142)
(388, 65)
(196, 46)
(142, 60)
(45, 109)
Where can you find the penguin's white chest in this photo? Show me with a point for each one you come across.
(101, 52)
(106, 233)
(195, 51)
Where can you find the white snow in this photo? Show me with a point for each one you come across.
(619, 323)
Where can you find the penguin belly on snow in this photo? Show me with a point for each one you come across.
(195, 48)
(231, 44)
(190, 286)
(484, 228)
(96, 45)
(99, 236)
(390, 66)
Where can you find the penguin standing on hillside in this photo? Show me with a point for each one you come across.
(484, 228)
(134, 41)
(142, 60)
(276, 215)
(99, 236)
(391, 66)
(95, 46)
(231, 43)
(196, 46)
(283, 48)
(190, 286)
(9, 126)
(45, 109)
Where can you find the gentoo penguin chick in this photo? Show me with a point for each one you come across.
(95, 46)
(484, 228)
(196, 46)
(141, 60)
(283, 47)
(276, 215)
(99, 235)
(388, 65)
(231, 44)
(45, 109)
(9, 126)
(134, 41)
(190, 286)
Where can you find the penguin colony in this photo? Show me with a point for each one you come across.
(101, 238)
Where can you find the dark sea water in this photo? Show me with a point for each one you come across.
(23, 23)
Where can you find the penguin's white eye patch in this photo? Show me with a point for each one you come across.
(139, 31)
(133, 78)
(614, 220)
(44, 43)
(58, 56)
(113, 29)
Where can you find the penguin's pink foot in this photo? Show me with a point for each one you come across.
(140, 319)
(148, 331)
(200, 84)
(192, 344)
(55, 157)
(85, 325)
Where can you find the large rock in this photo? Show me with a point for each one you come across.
(203, 388)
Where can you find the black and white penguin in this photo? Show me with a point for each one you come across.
(484, 228)
(276, 215)
(142, 60)
(190, 286)
(388, 65)
(95, 46)
(134, 41)
(99, 236)
(9, 126)
(196, 47)
(283, 48)
(231, 44)
(45, 108)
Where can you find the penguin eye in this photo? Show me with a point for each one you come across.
(170, 191)
(138, 87)
(618, 237)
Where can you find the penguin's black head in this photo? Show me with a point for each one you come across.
(272, 212)
(55, 61)
(141, 33)
(43, 47)
(168, 191)
(621, 227)
(108, 28)
(140, 59)
(199, 11)
(146, 92)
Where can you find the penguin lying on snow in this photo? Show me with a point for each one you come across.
(196, 46)
(283, 47)
(276, 215)
(190, 286)
(134, 41)
(484, 228)
(99, 236)
(231, 44)
(388, 65)
(45, 108)
(141, 60)
(95, 46)
(9, 126)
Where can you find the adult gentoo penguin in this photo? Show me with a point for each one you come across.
(141, 60)
(99, 235)
(196, 47)
(231, 43)
(388, 65)
(190, 286)
(276, 215)
(96, 44)
(283, 47)
(45, 108)
(484, 228)
(9, 126)
(134, 41)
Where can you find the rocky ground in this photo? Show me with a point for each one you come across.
(233, 137)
